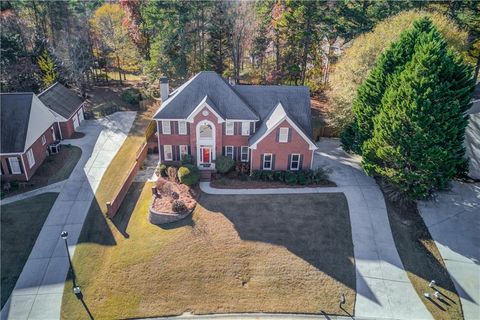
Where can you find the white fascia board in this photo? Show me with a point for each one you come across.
(311, 145)
(201, 105)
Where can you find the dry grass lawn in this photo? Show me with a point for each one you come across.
(275, 253)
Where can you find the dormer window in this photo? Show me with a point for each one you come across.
(245, 128)
(283, 135)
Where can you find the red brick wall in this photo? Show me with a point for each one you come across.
(67, 128)
(39, 152)
(281, 151)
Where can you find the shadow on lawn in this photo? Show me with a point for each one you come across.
(314, 227)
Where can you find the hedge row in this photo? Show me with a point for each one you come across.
(302, 177)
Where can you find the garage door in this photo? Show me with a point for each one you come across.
(80, 115)
(75, 121)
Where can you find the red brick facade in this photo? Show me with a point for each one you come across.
(269, 144)
(39, 150)
(67, 127)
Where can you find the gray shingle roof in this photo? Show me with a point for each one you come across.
(61, 100)
(209, 84)
(15, 114)
(294, 99)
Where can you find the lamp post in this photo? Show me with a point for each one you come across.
(76, 289)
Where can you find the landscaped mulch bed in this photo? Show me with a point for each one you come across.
(229, 182)
(163, 202)
(422, 260)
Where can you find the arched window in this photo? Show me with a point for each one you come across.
(206, 131)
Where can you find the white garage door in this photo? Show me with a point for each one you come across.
(80, 115)
(75, 121)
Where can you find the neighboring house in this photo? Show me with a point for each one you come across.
(27, 128)
(472, 136)
(66, 106)
(268, 127)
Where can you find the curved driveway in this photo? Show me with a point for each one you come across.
(383, 288)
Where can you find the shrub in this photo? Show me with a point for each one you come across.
(172, 173)
(279, 176)
(131, 95)
(242, 168)
(256, 174)
(224, 164)
(189, 175)
(319, 175)
(302, 178)
(188, 159)
(267, 175)
(290, 177)
(161, 170)
(178, 206)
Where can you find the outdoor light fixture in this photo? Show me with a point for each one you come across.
(432, 283)
(426, 295)
(342, 299)
(436, 294)
(76, 289)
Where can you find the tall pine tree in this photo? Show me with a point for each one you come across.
(417, 139)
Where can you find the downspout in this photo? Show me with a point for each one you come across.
(24, 168)
(158, 140)
(311, 160)
(251, 162)
(60, 130)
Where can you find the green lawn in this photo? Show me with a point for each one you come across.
(235, 254)
(55, 168)
(21, 223)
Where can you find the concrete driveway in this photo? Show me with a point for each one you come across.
(453, 220)
(39, 289)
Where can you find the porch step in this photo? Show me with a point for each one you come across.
(205, 175)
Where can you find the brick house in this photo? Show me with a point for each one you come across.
(27, 129)
(66, 106)
(268, 127)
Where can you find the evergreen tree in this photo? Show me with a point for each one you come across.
(417, 142)
(47, 66)
(220, 31)
(370, 93)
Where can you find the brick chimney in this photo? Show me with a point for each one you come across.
(164, 91)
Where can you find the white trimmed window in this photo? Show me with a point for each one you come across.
(283, 135)
(44, 140)
(267, 161)
(182, 127)
(183, 151)
(167, 153)
(295, 161)
(244, 154)
(166, 129)
(245, 128)
(229, 151)
(14, 165)
(229, 128)
(30, 158)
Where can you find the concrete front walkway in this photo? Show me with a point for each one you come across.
(383, 288)
(453, 220)
(38, 291)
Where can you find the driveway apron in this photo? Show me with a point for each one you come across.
(38, 291)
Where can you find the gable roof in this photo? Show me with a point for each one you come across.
(226, 102)
(23, 119)
(295, 101)
(61, 100)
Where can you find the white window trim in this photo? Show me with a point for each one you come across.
(166, 124)
(30, 158)
(226, 148)
(245, 128)
(185, 150)
(242, 153)
(10, 159)
(182, 127)
(285, 134)
(271, 159)
(44, 140)
(165, 152)
(298, 161)
(232, 128)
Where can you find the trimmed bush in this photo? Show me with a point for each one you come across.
(290, 177)
(172, 173)
(242, 168)
(188, 175)
(162, 170)
(131, 95)
(224, 164)
(188, 159)
(178, 206)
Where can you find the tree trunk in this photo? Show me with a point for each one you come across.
(477, 68)
(119, 70)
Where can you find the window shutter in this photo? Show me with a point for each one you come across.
(235, 128)
(188, 129)
(224, 151)
(162, 155)
(188, 149)
(301, 162)
(177, 150)
(160, 128)
(273, 162)
(252, 127)
(237, 154)
(8, 166)
(278, 135)
(289, 134)
(261, 161)
(289, 162)
(234, 155)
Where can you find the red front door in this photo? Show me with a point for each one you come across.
(206, 155)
